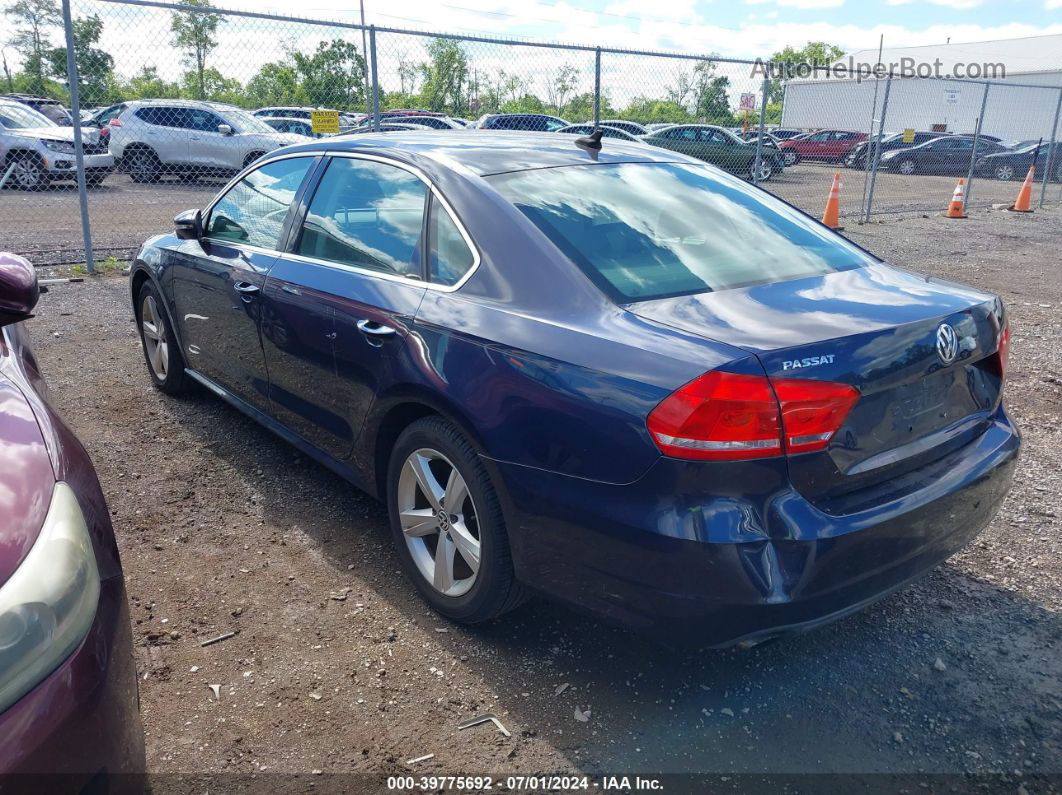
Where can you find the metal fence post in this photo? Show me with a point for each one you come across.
(1050, 152)
(877, 148)
(976, 140)
(759, 138)
(597, 87)
(375, 80)
(79, 148)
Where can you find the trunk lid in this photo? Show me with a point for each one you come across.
(875, 328)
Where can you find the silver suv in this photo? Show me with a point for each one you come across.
(155, 137)
(34, 150)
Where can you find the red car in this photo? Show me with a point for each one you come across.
(829, 145)
(68, 695)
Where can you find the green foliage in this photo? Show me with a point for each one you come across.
(33, 20)
(649, 111)
(147, 84)
(333, 76)
(817, 53)
(528, 103)
(211, 85)
(195, 33)
(276, 84)
(95, 67)
(444, 77)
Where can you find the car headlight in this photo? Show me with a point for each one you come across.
(890, 155)
(49, 603)
(65, 147)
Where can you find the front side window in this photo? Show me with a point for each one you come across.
(650, 230)
(201, 120)
(367, 215)
(254, 209)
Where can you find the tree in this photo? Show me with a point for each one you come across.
(32, 19)
(95, 67)
(276, 83)
(561, 85)
(444, 77)
(194, 32)
(147, 84)
(711, 101)
(648, 110)
(210, 84)
(528, 103)
(814, 53)
(332, 76)
(408, 75)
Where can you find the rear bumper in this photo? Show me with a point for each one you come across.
(80, 726)
(747, 563)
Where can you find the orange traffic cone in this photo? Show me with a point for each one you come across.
(831, 217)
(1022, 204)
(957, 208)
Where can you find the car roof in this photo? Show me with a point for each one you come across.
(491, 153)
(180, 103)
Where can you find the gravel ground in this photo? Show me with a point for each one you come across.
(46, 226)
(338, 667)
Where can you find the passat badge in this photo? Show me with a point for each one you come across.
(947, 343)
(810, 361)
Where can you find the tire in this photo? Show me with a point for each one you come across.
(1004, 172)
(462, 593)
(251, 158)
(790, 158)
(29, 172)
(766, 171)
(142, 165)
(162, 354)
(907, 167)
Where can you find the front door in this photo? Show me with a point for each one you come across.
(217, 281)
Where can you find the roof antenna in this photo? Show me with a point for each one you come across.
(591, 143)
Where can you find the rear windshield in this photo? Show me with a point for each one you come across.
(643, 231)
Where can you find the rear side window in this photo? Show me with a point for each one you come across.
(367, 215)
(642, 231)
(254, 209)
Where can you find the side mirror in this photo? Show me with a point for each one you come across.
(18, 289)
(188, 225)
(225, 129)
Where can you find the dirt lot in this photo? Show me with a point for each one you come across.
(338, 667)
(46, 226)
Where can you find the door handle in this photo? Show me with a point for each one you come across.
(246, 289)
(375, 330)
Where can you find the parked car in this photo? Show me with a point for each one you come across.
(68, 687)
(347, 122)
(786, 134)
(716, 146)
(831, 146)
(151, 138)
(946, 155)
(459, 120)
(101, 119)
(1015, 164)
(597, 375)
(606, 131)
(857, 157)
(389, 126)
(659, 125)
(539, 122)
(35, 151)
(52, 108)
(432, 122)
(365, 120)
(631, 127)
(289, 125)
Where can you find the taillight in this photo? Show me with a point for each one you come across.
(718, 417)
(726, 417)
(114, 123)
(812, 411)
(1003, 351)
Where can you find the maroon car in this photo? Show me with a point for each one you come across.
(68, 695)
(831, 146)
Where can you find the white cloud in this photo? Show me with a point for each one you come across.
(958, 5)
(802, 3)
(1052, 5)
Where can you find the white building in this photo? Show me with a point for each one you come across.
(1012, 112)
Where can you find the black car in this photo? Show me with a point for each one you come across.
(949, 154)
(857, 158)
(1015, 164)
(52, 108)
(535, 122)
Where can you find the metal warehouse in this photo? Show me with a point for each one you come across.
(923, 97)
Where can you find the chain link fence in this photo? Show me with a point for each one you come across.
(175, 98)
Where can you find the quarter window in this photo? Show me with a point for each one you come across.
(367, 215)
(450, 256)
(254, 209)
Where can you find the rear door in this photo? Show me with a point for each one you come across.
(216, 282)
(339, 304)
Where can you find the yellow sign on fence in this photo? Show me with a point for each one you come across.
(908, 135)
(325, 122)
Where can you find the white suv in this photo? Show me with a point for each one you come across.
(155, 137)
(34, 150)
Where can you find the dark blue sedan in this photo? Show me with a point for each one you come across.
(624, 379)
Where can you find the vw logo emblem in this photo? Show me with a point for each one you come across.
(947, 343)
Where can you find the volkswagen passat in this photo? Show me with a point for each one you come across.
(622, 378)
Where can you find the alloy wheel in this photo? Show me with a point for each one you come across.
(765, 172)
(1004, 172)
(907, 167)
(28, 173)
(155, 343)
(789, 158)
(142, 166)
(439, 522)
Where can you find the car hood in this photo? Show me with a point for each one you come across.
(89, 135)
(26, 477)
